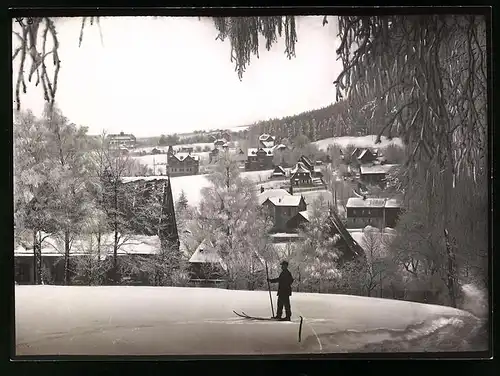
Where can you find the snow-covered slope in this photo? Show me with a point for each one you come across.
(120, 320)
(360, 142)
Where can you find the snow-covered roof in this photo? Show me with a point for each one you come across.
(182, 156)
(253, 151)
(206, 253)
(306, 160)
(305, 214)
(129, 179)
(265, 136)
(262, 197)
(363, 153)
(267, 144)
(279, 146)
(285, 200)
(300, 167)
(357, 202)
(377, 169)
(279, 170)
(136, 244)
(285, 235)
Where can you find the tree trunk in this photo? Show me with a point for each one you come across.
(451, 270)
(66, 257)
(36, 271)
(115, 243)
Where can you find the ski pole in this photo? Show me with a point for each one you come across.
(269, 288)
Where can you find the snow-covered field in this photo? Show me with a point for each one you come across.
(360, 142)
(59, 320)
(193, 184)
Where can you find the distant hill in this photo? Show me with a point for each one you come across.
(335, 120)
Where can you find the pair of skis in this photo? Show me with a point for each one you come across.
(245, 316)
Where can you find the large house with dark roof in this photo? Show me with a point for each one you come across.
(259, 159)
(283, 208)
(206, 266)
(375, 174)
(300, 175)
(376, 212)
(121, 140)
(182, 164)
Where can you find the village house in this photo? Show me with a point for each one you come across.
(122, 140)
(206, 267)
(182, 164)
(259, 159)
(283, 208)
(83, 249)
(375, 174)
(376, 212)
(140, 241)
(221, 144)
(300, 175)
(266, 140)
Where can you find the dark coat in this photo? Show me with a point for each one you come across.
(285, 281)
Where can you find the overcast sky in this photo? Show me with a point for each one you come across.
(170, 75)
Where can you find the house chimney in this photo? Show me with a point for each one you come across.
(364, 197)
(279, 199)
(261, 189)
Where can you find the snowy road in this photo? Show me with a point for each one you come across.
(53, 320)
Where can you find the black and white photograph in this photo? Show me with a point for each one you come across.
(251, 185)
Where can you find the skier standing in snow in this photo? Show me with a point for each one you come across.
(284, 281)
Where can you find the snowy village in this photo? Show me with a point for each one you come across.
(348, 193)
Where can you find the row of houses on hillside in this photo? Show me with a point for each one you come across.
(371, 166)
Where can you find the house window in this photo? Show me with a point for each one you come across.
(354, 212)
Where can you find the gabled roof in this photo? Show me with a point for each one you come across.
(206, 253)
(271, 193)
(300, 167)
(305, 215)
(279, 170)
(285, 200)
(306, 160)
(265, 137)
(183, 156)
(359, 202)
(364, 152)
